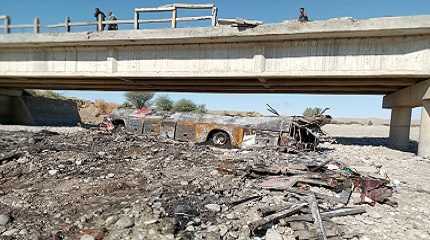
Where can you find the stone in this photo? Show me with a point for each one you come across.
(223, 229)
(190, 228)
(4, 219)
(213, 207)
(53, 172)
(110, 175)
(124, 222)
(87, 237)
(10, 232)
(111, 220)
(272, 234)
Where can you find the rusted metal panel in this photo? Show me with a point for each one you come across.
(203, 130)
(235, 133)
(167, 130)
(151, 126)
(238, 134)
(185, 131)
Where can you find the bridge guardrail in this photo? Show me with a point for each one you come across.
(136, 21)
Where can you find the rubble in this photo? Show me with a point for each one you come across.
(131, 186)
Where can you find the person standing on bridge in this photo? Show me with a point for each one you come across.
(112, 26)
(99, 14)
(303, 17)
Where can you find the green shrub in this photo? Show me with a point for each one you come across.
(139, 99)
(184, 105)
(310, 112)
(163, 103)
(201, 109)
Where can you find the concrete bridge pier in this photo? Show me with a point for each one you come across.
(400, 126)
(424, 141)
(401, 103)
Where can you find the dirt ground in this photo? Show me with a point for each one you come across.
(79, 184)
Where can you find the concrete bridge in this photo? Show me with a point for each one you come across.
(387, 56)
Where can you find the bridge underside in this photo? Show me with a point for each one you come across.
(325, 85)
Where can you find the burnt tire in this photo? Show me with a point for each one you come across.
(220, 139)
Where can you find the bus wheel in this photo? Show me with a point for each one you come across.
(220, 139)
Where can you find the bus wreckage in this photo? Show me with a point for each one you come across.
(294, 133)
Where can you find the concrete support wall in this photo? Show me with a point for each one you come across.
(28, 110)
(424, 141)
(400, 128)
(13, 110)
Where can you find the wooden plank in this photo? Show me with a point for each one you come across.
(214, 16)
(21, 26)
(88, 23)
(59, 25)
(165, 20)
(99, 23)
(313, 205)
(174, 16)
(67, 24)
(276, 216)
(131, 21)
(187, 19)
(136, 20)
(193, 6)
(158, 9)
(36, 26)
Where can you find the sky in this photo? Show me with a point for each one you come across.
(269, 11)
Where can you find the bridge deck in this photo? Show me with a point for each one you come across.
(373, 56)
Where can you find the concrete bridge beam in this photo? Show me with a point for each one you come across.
(424, 141)
(400, 127)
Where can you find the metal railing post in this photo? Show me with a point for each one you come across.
(36, 28)
(7, 24)
(174, 15)
(67, 24)
(99, 23)
(136, 20)
(214, 16)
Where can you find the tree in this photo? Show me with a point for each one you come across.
(139, 99)
(310, 112)
(163, 103)
(184, 105)
(201, 109)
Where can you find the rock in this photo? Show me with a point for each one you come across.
(156, 205)
(87, 237)
(4, 219)
(272, 234)
(111, 220)
(53, 172)
(110, 175)
(10, 232)
(223, 229)
(213, 236)
(244, 233)
(124, 222)
(190, 228)
(213, 207)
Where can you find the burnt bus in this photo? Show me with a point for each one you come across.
(295, 132)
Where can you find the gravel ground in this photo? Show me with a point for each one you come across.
(80, 184)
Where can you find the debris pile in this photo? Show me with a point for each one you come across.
(101, 185)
